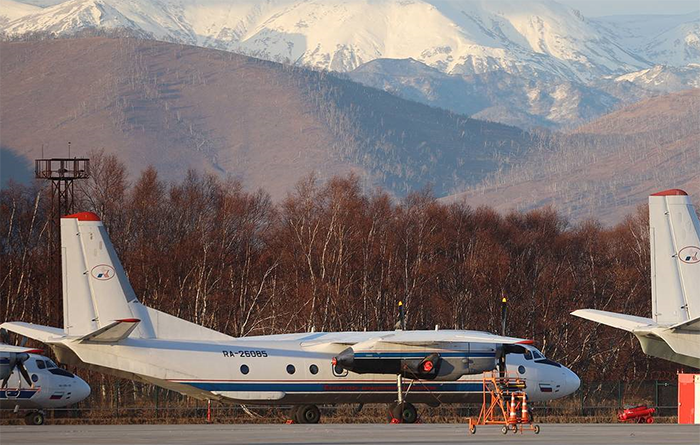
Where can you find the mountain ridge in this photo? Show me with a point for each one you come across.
(535, 38)
(269, 125)
(605, 169)
(525, 63)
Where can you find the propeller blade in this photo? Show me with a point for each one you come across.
(23, 371)
(4, 336)
(23, 342)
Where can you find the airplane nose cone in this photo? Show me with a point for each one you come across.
(81, 391)
(571, 381)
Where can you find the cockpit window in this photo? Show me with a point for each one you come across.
(41, 364)
(537, 355)
(528, 355)
(50, 364)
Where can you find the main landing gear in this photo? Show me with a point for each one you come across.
(306, 414)
(34, 418)
(402, 411)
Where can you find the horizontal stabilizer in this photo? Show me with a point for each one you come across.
(44, 334)
(690, 325)
(628, 323)
(19, 349)
(113, 332)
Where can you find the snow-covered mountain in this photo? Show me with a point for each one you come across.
(663, 40)
(12, 10)
(536, 38)
(496, 96)
(523, 62)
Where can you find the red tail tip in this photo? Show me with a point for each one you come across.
(84, 216)
(671, 192)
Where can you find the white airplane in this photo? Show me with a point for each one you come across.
(47, 385)
(107, 329)
(673, 332)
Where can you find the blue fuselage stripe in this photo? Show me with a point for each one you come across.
(23, 394)
(288, 387)
(421, 354)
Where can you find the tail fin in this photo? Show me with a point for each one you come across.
(96, 291)
(99, 304)
(674, 232)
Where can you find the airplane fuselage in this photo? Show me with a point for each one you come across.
(288, 369)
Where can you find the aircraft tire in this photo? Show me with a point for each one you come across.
(308, 414)
(405, 412)
(34, 418)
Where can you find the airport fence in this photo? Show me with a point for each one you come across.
(125, 402)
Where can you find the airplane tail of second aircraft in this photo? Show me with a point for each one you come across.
(674, 236)
(674, 240)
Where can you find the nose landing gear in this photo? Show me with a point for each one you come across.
(34, 418)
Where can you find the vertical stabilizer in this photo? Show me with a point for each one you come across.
(96, 291)
(674, 232)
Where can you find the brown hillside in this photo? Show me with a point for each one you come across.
(172, 106)
(180, 107)
(607, 168)
(651, 115)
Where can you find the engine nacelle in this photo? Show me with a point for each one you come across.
(431, 366)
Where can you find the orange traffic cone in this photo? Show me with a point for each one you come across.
(525, 414)
(513, 418)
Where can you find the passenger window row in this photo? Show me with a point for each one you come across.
(245, 369)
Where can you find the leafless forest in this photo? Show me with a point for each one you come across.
(331, 257)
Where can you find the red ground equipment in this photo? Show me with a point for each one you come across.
(637, 414)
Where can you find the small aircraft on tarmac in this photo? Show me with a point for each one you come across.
(673, 332)
(47, 385)
(107, 329)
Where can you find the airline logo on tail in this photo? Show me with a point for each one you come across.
(690, 254)
(102, 272)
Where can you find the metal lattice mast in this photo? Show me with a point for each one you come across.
(62, 172)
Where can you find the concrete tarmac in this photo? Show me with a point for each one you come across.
(355, 434)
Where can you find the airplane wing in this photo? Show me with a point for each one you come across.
(442, 339)
(629, 323)
(437, 338)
